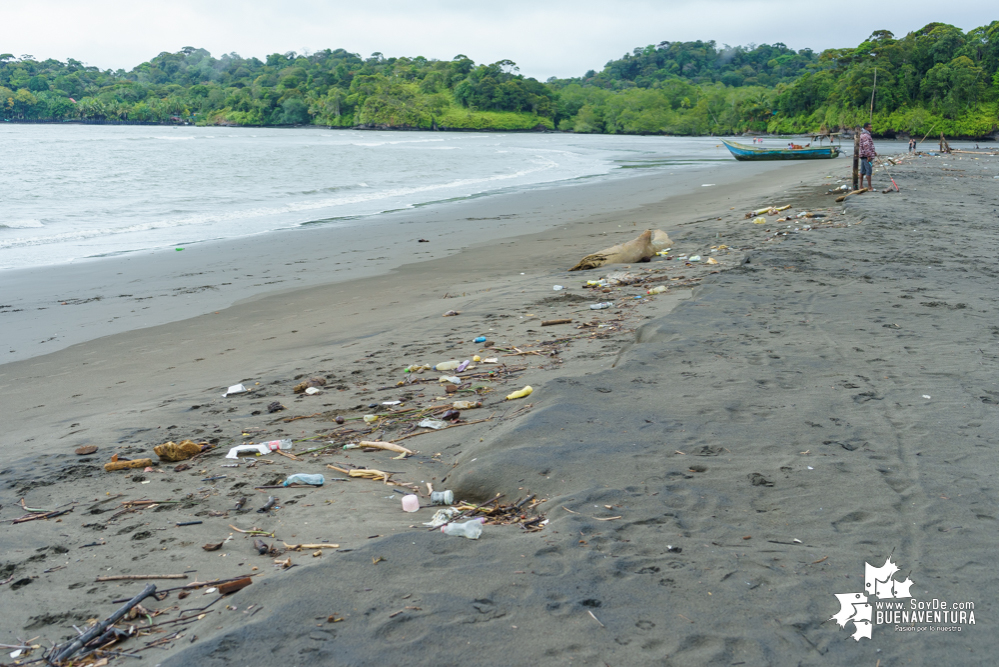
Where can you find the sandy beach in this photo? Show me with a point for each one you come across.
(699, 472)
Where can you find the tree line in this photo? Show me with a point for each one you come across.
(935, 77)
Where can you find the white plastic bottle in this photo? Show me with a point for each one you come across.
(470, 529)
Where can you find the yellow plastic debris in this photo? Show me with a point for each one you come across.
(526, 391)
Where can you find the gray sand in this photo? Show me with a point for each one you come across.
(713, 468)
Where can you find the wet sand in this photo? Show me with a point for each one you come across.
(713, 464)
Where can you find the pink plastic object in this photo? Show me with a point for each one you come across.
(410, 503)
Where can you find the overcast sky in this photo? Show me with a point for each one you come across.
(544, 37)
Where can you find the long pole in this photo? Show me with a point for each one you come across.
(872, 93)
(856, 159)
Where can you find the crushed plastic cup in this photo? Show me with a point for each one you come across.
(235, 389)
(432, 423)
(452, 379)
(601, 306)
(470, 529)
(410, 503)
(312, 391)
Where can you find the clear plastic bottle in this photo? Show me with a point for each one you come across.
(470, 529)
(302, 478)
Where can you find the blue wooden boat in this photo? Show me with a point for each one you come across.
(743, 152)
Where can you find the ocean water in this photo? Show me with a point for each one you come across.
(73, 193)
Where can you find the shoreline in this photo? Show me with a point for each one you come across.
(136, 290)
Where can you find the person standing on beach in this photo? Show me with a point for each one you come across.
(867, 155)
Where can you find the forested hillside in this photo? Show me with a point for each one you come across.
(937, 78)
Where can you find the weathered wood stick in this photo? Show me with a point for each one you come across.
(125, 465)
(99, 629)
(565, 320)
(47, 515)
(299, 547)
(140, 577)
(385, 445)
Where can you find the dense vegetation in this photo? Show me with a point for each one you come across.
(937, 78)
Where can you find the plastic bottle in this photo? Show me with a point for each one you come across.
(470, 529)
(447, 365)
(657, 290)
(302, 478)
(462, 366)
(479, 339)
(601, 306)
(410, 503)
(277, 444)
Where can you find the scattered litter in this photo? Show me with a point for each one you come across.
(759, 221)
(694, 258)
(601, 306)
(558, 288)
(926, 396)
(303, 478)
(480, 339)
(172, 451)
(387, 446)
(442, 498)
(442, 516)
(410, 503)
(466, 405)
(447, 365)
(711, 260)
(657, 290)
(453, 379)
(370, 419)
(432, 423)
(261, 448)
(526, 391)
(462, 366)
(310, 383)
(470, 529)
(235, 389)
(451, 313)
(391, 402)
(271, 502)
(124, 464)
(312, 391)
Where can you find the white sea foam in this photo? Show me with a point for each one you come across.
(21, 224)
